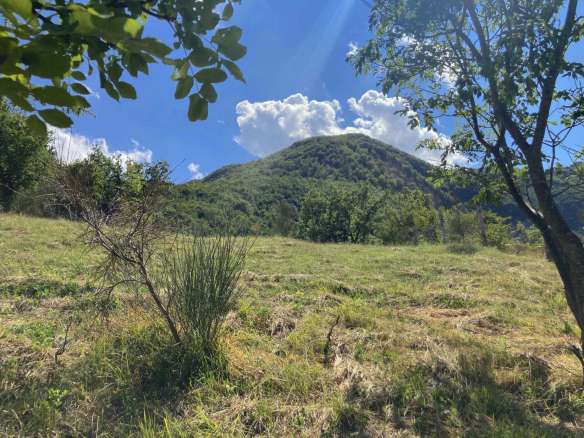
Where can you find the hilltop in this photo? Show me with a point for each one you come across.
(251, 190)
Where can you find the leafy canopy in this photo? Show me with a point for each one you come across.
(337, 212)
(502, 66)
(24, 157)
(48, 48)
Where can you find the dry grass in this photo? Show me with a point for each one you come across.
(428, 343)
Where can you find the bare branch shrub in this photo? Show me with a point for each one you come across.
(132, 235)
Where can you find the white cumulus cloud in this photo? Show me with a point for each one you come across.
(71, 147)
(195, 171)
(267, 127)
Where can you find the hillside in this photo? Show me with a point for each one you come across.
(428, 343)
(251, 190)
(248, 193)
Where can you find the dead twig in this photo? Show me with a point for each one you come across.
(329, 336)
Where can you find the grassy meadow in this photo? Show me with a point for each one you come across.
(325, 340)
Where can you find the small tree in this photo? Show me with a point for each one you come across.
(24, 156)
(460, 225)
(408, 217)
(131, 234)
(339, 213)
(191, 282)
(284, 218)
(504, 67)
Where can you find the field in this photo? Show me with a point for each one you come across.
(326, 340)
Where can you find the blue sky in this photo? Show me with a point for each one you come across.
(294, 46)
(298, 85)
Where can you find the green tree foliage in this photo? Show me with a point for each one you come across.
(339, 213)
(24, 157)
(284, 218)
(101, 177)
(498, 232)
(408, 218)
(49, 48)
(460, 225)
(252, 191)
(107, 182)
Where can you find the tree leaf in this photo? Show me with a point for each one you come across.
(9, 87)
(180, 71)
(21, 102)
(183, 87)
(110, 90)
(78, 75)
(81, 103)
(136, 63)
(211, 75)
(114, 71)
(203, 57)
(234, 70)
(44, 64)
(227, 12)
(56, 118)
(20, 7)
(227, 36)
(126, 90)
(85, 23)
(80, 88)
(132, 27)
(198, 108)
(227, 41)
(150, 45)
(234, 52)
(209, 93)
(36, 126)
(52, 95)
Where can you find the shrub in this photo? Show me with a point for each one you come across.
(459, 225)
(339, 213)
(409, 218)
(462, 248)
(200, 279)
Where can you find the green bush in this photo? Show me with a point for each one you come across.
(200, 280)
(463, 248)
(459, 225)
(339, 213)
(408, 218)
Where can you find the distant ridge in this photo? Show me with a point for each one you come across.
(249, 192)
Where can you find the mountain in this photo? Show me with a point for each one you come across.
(250, 191)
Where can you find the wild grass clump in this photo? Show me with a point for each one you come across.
(200, 280)
(346, 420)
(490, 393)
(145, 362)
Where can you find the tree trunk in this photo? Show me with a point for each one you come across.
(482, 227)
(563, 245)
(567, 253)
(163, 311)
(547, 253)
